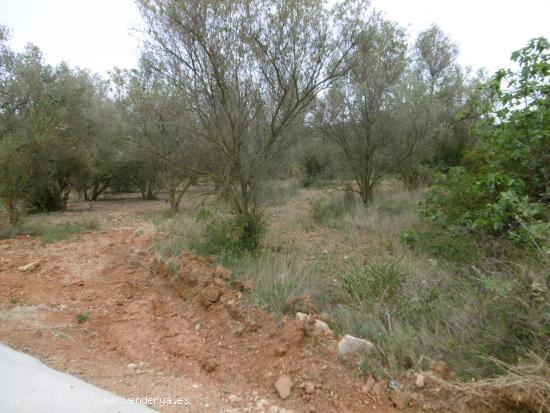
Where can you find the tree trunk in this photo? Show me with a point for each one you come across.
(367, 194)
(12, 211)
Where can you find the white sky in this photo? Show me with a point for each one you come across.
(97, 34)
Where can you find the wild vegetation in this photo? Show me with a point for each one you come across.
(334, 156)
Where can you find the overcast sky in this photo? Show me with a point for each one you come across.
(97, 34)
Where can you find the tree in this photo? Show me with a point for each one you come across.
(358, 112)
(158, 126)
(250, 70)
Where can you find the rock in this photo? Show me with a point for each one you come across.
(322, 328)
(210, 295)
(280, 350)
(274, 409)
(29, 267)
(302, 304)
(302, 316)
(308, 387)
(353, 349)
(233, 398)
(262, 404)
(400, 399)
(419, 380)
(283, 385)
(208, 364)
(132, 366)
(313, 327)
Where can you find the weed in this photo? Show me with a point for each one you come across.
(83, 317)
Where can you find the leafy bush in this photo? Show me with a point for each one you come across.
(502, 188)
(327, 212)
(314, 168)
(235, 235)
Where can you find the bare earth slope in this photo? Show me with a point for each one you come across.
(150, 335)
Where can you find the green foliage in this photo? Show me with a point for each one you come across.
(49, 233)
(502, 188)
(234, 235)
(374, 285)
(327, 212)
(83, 317)
(63, 232)
(314, 166)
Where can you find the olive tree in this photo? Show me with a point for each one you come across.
(250, 71)
(358, 113)
(158, 128)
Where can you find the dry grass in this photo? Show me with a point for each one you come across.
(525, 387)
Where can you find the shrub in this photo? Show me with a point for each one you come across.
(314, 168)
(234, 235)
(327, 212)
(502, 189)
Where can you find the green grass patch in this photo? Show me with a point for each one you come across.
(49, 233)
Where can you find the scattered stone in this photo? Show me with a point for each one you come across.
(394, 385)
(210, 295)
(313, 327)
(301, 304)
(261, 404)
(29, 267)
(283, 385)
(302, 316)
(400, 399)
(320, 327)
(419, 380)
(233, 398)
(208, 364)
(308, 387)
(353, 349)
(280, 350)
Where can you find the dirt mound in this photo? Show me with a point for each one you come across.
(102, 308)
(247, 345)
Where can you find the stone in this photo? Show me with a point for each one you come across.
(308, 387)
(283, 385)
(210, 295)
(233, 398)
(419, 380)
(400, 399)
(29, 267)
(302, 316)
(313, 327)
(280, 350)
(353, 349)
